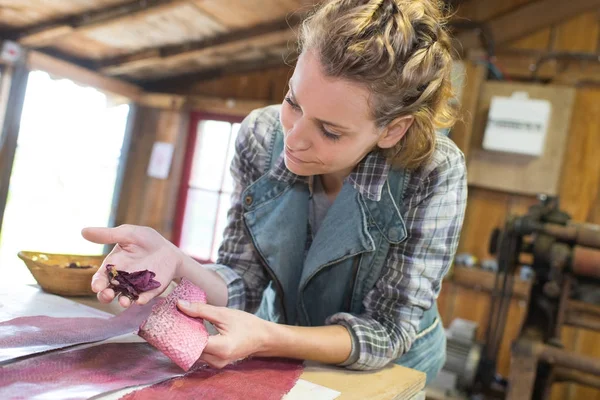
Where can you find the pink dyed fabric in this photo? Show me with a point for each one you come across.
(30, 335)
(259, 379)
(84, 373)
(177, 335)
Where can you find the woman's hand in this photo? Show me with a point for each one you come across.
(241, 334)
(137, 248)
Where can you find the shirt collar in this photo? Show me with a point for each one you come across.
(368, 178)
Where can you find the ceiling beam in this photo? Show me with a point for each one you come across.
(47, 32)
(182, 82)
(529, 19)
(83, 76)
(117, 65)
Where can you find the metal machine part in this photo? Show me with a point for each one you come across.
(566, 270)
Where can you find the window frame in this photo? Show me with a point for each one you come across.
(184, 185)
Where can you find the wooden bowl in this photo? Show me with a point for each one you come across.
(63, 274)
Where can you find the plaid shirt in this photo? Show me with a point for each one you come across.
(432, 208)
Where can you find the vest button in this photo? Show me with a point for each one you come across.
(248, 200)
(393, 234)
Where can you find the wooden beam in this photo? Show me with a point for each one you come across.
(234, 107)
(16, 77)
(63, 69)
(529, 19)
(461, 133)
(46, 33)
(115, 65)
(180, 83)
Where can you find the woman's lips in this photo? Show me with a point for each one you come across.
(291, 157)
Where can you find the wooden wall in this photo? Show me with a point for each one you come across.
(146, 200)
(580, 178)
(153, 201)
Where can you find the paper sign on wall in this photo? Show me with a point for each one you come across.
(160, 160)
(517, 124)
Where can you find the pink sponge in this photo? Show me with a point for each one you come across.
(178, 336)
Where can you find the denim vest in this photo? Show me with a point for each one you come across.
(346, 255)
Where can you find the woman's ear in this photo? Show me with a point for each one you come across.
(395, 131)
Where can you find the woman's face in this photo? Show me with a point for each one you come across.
(327, 122)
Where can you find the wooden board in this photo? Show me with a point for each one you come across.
(238, 14)
(579, 34)
(22, 13)
(515, 173)
(475, 74)
(390, 383)
(169, 24)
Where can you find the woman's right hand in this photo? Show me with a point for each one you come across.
(136, 248)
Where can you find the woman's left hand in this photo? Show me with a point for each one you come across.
(241, 334)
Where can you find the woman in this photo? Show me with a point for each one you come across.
(347, 206)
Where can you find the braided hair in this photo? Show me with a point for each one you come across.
(401, 51)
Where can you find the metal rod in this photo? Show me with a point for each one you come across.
(580, 234)
(563, 306)
(568, 359)
(568, 375)
(586, 261)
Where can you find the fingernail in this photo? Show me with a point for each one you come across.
(183, 303)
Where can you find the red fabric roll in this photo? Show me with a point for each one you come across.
(252, 379)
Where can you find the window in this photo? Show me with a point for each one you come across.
(64, 173)
(206, 187)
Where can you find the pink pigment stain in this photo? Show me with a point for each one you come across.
(30, 335)
(260, 379)
(84, 373)
(177, 335)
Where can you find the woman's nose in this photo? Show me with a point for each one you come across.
(298, 137)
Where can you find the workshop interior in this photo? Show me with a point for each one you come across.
(126, 112)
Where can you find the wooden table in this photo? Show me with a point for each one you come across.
(393, 382)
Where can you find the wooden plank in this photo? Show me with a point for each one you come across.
(578, 34)
(117, 64)
(580, 179)
(517, 63)
(587, 343)
(180, 82)
(232, 107)
(63, 69)
(162, 101)
(477, 10)
(474, 306)
(44, 34)
(393, 382)
(150, 201)
(531, 18)
(247, 12)
(475, 74)
(486, 210)
(515, 173)
(539, 40)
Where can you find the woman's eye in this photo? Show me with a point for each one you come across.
(329, 135)
(292, 104)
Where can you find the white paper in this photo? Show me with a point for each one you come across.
(160, 160)
(307, 390)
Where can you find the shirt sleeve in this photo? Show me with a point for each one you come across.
(237, 262)
(412, 274)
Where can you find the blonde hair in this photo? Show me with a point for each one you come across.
(401, 51)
